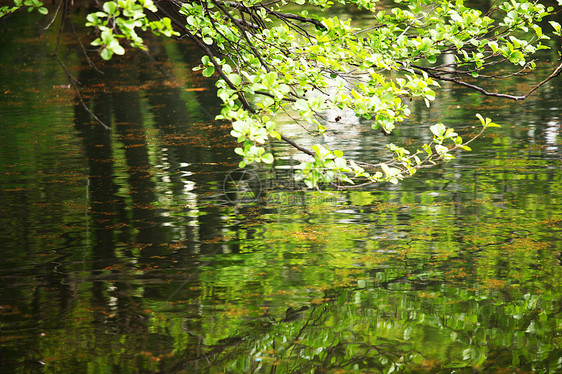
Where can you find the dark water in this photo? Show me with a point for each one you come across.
(122, 252)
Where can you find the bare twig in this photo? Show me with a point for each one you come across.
(55, 16)
(212, 58)
(83, 49)
(61, 27)
(73, 81)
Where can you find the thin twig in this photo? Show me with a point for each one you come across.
(88, 60)
(72, 81)
(55, 16)
(61, 27)
(244, 34)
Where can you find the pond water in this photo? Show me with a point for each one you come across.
(125, 251)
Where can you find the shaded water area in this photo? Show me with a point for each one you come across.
(122, 252)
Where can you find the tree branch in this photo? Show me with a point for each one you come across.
(554, 74)
(243, 31)
(284, 16)
(295, 145)
(218, 69)
(212, 58)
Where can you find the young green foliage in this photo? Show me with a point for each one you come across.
(120, 20)
(31, 5)
(272, 65)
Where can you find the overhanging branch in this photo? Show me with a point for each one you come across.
(430, 73)
(295, 145)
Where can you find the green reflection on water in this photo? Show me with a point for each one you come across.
(121, 253)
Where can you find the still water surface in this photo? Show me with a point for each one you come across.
(122, 252)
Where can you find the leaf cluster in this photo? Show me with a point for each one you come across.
(119, 20)
(275, 66)
(31, 5)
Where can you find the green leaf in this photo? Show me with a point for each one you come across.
(438, 129)
(208, 71)
(110, 7)
(106, 53)
(267, 102)
(116, 47)
(479, 116)
(235, 79)
(267, 158)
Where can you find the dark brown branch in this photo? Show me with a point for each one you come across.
(253, 17)
(244, 34)
(554, 74)
(235, 46)
(273, 96)
(248, 24)
(284, 16)
(451, 69)
(296, 27)
(295, 145)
